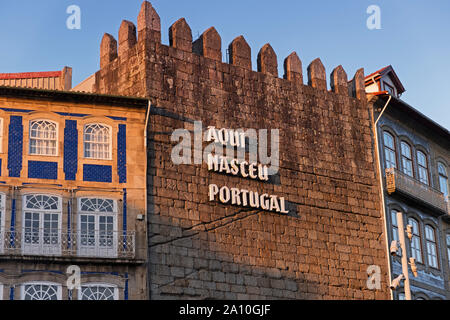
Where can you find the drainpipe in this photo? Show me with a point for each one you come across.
(146, 195)
(383, 205)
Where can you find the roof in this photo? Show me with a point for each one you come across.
(74, 97)
(30, 75)
(413, 113)
(386, 71)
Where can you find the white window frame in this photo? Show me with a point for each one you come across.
(421, 168)
(432, 246)
(97, 250)
(114, 288)
(43, 139)
(40, 248)
(2, 221)
(109, 144)
(41, 283)
(407, 160)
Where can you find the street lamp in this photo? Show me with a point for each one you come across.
(412, 261)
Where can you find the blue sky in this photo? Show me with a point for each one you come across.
(413, 38)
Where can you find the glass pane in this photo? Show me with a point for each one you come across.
(442, 169)
(97, 293)
(388, 140)
(443, 185)
(406, 150)
(421, 159)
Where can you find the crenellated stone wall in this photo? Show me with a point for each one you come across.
(200, 249)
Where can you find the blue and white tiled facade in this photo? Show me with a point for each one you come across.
(71, 190)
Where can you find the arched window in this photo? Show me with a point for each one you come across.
(98, 292)
(41, 291)
(97, 141)
(416, 243)
(407, 164)
(389, 151)
(430, 237)
(97, 227)
(422, 163)
(41, 221)
(43, 138)
(443, 178)
(395, 235)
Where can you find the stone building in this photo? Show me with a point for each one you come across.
(415, 160)
(203, 247)
(72, 193)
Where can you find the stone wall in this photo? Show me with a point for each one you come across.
(200, 249)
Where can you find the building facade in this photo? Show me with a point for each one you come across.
(94, 180)
(202, 243)
(415, 158)
(72, 196)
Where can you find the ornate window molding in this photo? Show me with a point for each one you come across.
(97, 141)
(43, 138)
(41, 291)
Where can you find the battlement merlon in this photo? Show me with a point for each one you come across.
(209, 45)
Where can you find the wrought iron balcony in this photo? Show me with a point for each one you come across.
(397, 181)
(55, 243)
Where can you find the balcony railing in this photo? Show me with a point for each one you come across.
(397, 181)
(98, 244)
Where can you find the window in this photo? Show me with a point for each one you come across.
(41, 220)
(443, 178)
(2, 222)
(41, 291)
(430, 237)
(97, 141)
(407, 164)
(423, 167)
(43, 138)
(395, 235)
(389, 151)
(98, 292)
(97, 227)
(416, 251)
(448, 249)
(390, 89)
